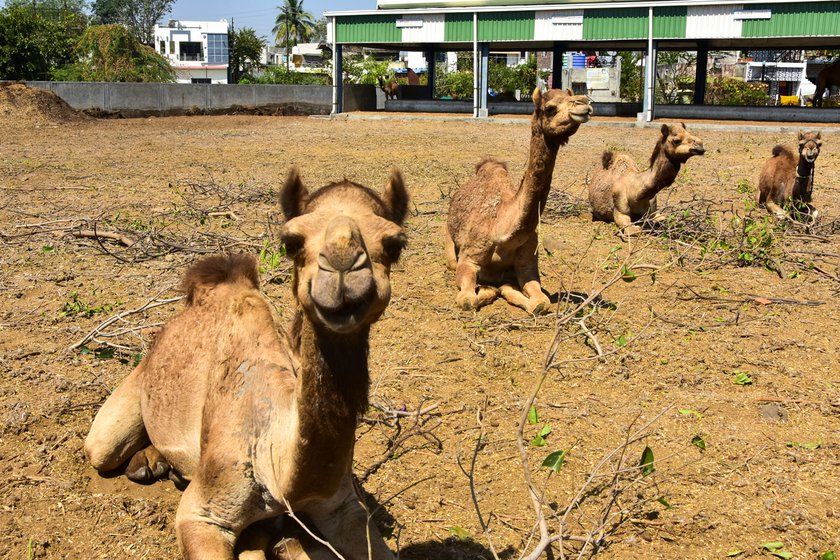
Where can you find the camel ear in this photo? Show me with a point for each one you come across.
(395, 197)
(819, 134)
(293, 195)
(800, 134)
(683, 125)
(570, 92)
(537, 97)
(666, 130)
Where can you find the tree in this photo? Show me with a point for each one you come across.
(245, 52)
(293, 24)
(319, 31)
(631, 76)
(675, 76)
(34, 47)
(139, 16)
(52, 9)
(111, 53)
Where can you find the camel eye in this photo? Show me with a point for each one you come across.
(293, 242)
(393, 246)
(550, 110)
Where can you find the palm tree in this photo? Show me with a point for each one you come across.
(292, 23)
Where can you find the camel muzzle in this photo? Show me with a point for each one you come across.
(698, 150)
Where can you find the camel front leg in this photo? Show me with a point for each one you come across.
(531, 298)
(466, 276)
(775, 209)
(345, 524)
(200, 536)
(626, 227)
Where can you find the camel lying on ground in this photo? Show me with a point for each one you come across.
(390, 87)
(786, 177)
(491, 234)
(619, 192)
(828, 76)
(260, 422)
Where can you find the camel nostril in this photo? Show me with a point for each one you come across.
(325, 264)
(361, 261)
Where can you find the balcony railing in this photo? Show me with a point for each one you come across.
(190, 57)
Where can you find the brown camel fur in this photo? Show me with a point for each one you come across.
(828, 76)
(786, 177)
(261, 422)
(491, 233)
(391, 87)
(619, 192)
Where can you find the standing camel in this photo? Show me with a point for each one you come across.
(786, 178)
(260, 422)
(620, 192)
(390, 87)
(828, 76)
(491, 234)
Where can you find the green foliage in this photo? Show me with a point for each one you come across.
(539, 439)
(76, 307)
(631, 76)
(699, 442)
(270, 258)
(777, 549)
(502, 78)
(110, 53)
(828, 555)
(734, 91)
(741, 378)
(646, 462)
(245, 51)
(366, 70)
(34, 47)
(555, 461)
(690, 412)
(55, 10)
(453, 85)
(675, 77)
(279, 75)
(810, 445)
(138, 16)
(460, 533)
(293, 24)
(757, 243)
(533, 417)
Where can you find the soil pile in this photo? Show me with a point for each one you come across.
(23, 105)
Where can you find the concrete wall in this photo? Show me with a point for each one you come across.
(135, 99)
(769, 114)
(359, 97)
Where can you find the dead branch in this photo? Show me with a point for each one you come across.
(123, 240)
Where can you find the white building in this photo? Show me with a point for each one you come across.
(198, 50)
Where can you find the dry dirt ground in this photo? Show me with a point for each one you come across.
(675, 340)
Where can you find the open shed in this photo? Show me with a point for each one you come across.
(560, 26)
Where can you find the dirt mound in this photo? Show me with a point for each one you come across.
(21, 104)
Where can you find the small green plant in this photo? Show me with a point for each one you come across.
(539, 439)
(76, 307)
(812, 445)
(646, 462)
(555, 461)
(777, 548)
(743, 186)
(741, 378)
(699, 442)
(270, 258)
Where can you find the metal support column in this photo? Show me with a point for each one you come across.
(430, 72)
(338, 74)
(557, 65)
(702, 73)
(483, 86)
(650, 72)
(476, 70)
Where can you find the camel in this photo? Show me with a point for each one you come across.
(828, 76)
(491, 234)
(391, 87)
(785, 178)
(619, 192)
(259, 422)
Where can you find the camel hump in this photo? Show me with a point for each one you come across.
(779, 150)
(220, 269)
(490, 161)
(606, 159)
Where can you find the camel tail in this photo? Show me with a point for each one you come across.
(220, 269)
(606, 159)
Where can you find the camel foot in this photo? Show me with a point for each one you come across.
(630, 231)
(147, 465)
(539, 307)
(467, 300)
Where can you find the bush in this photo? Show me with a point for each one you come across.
(457, 85)
(732, 91)
(366, 70)
(279, 75)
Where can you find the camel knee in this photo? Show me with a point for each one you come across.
(100, 455)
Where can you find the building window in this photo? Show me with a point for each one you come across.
(190, 51)
(163, 47)
(217, 48)
(171, 47)
(200, 80)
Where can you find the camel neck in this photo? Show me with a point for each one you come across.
(804, 173)
(661, 174)
(536, 183)
(332, 393)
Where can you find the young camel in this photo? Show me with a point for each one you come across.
(259, 422)
(390, 87)
(786, 178)
(491, 234)
(619, 192)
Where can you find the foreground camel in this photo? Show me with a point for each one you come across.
(828, 76)
(259, 422)
(786, 178)
(491, 232)
(620, 192)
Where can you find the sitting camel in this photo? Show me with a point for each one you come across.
(828, 76)
(619, 192)
(491, 232)
(784, 178)
(260, 422)
(391, 87)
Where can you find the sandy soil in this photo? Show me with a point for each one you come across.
(769, 470)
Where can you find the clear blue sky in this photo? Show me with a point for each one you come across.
(259, 14)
